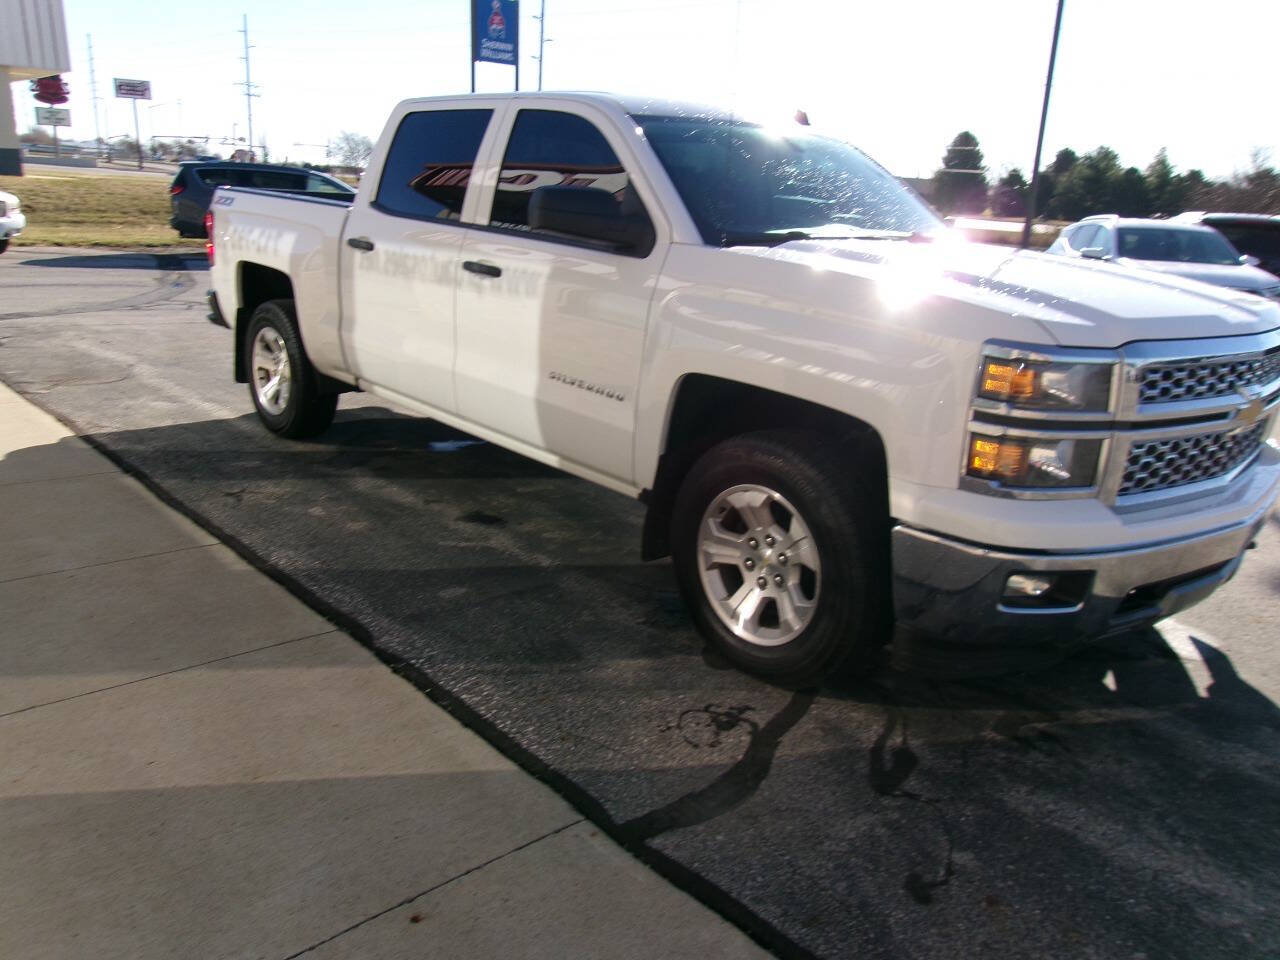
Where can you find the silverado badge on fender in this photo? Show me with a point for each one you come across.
(588, 386)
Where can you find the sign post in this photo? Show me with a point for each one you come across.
(134, 90)
(495, 35)
(55, 118)
(51, 90)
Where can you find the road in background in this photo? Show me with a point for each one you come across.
(1118, 805)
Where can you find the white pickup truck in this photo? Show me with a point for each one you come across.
(848, 427)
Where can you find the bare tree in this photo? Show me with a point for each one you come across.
(352, 149)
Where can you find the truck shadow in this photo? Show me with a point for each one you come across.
(192, 260)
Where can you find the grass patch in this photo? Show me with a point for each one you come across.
(68, 208)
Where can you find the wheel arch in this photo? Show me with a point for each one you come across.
(255, 285)
(707, 409)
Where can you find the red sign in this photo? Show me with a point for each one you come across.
(50, 90)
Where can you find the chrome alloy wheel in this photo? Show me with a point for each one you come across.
(759, 565)
(272, 375)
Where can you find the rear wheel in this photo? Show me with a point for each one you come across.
(282, 382)
(781, 553)
(4, 245)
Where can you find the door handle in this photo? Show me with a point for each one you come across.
(484, 269)
(360, 243)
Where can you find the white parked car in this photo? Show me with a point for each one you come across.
(846, 431)
(12, 220)
(1166, 246)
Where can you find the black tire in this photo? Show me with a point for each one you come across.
(4, 245)
(308, 411)
(847, 519)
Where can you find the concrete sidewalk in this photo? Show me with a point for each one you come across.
(195, 764)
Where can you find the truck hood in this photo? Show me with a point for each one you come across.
(1238, 276)
(1079, 303)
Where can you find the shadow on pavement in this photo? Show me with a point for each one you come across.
(195, 260)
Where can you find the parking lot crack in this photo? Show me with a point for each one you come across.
(432, 889)
(734, 786)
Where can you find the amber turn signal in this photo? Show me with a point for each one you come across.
(992, 458)
(1006, 380)
(1033, 462)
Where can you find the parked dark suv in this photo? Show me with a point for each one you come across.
(192, 189)
(1253, 233)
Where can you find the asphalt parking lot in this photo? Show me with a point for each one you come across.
(1123, 804)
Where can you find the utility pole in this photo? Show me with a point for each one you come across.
(249, 85)
(1044, 113)
(93, 92)
(137, 133)
(542, 38)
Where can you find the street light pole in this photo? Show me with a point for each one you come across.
(1044, 113)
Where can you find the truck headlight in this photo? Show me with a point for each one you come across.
(1033, 462)
(1047, 385)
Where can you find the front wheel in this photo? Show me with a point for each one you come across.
(781, 553)
(4, 245)
(282, 382)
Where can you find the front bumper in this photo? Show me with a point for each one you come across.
(950, 596)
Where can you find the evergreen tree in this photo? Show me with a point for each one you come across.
(1163, 185)
(1092, 185)
(1063, 161)
(1129, 194)
(1050, 178)
(960, 184)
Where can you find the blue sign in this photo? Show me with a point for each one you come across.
(495, 31)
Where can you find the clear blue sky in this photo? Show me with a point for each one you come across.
(899, 78)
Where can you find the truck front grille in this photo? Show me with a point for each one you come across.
(1161, 464)
(1198, 379)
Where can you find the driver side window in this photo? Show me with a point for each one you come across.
(549, 148)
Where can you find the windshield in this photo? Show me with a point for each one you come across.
(740, 180)
(1168, 243)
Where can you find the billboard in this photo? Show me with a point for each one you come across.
(133, 89)
(495, 31)
(52, 117)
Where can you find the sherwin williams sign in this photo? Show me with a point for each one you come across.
(495, 31)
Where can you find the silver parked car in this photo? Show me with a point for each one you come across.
(1182, 249)
(12, 221)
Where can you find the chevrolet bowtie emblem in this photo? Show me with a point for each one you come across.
(1251, 412)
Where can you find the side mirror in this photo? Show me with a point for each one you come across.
(592, 214)
(1095, 253)
(1249, 260)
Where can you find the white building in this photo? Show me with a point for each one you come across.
(33, 43)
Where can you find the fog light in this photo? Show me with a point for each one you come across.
(1027, 585)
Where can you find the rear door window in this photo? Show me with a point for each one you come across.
(428, 166)
(317, 184)
(219, 177)
(275, 180)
